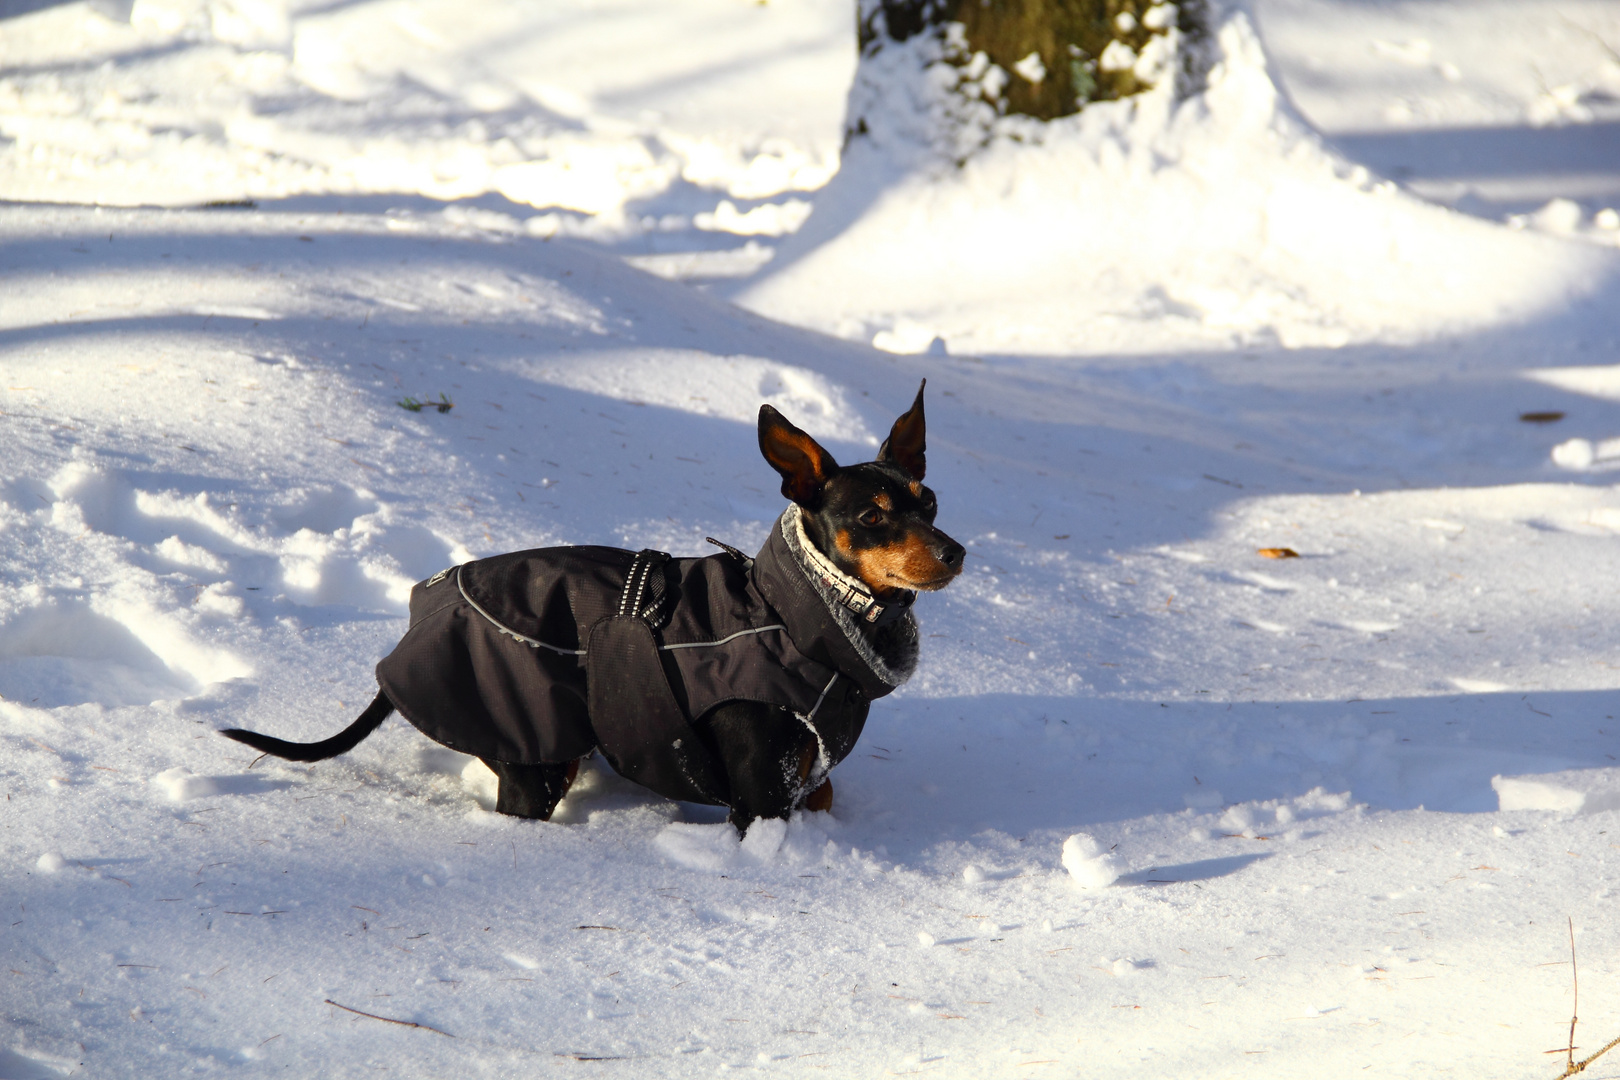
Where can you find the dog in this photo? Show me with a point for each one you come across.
(726, 680)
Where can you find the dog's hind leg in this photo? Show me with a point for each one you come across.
(341, 743)
(531, 791)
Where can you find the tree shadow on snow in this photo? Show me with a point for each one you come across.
(1489, 166)
(955, 767)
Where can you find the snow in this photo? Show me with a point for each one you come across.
(1138, 227)
(1090, 864)
(1574, 791)
(581, 106)
(1496, 108)
(1343, 803)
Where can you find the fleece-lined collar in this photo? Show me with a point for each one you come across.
(846, 590)
(820, 621)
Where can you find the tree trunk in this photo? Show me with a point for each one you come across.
(1047, 58)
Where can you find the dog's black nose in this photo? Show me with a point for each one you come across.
(953, 554)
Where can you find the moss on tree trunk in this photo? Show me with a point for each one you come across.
(1058, 55)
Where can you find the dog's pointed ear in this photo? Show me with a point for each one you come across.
(804, 465)
(907, 444)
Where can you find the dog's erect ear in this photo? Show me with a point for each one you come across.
(907, 444)
(804, 465)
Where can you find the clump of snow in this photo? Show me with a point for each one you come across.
(180, 784)
(50, 863)
(798, 841)
(1091, 865)
(1118, 56)
(1559, 216)
(1031, 69)
(481, 783)
(1582, 454)
(1239, 818)
(1159, 17)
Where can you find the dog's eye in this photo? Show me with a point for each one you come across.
(871, 518)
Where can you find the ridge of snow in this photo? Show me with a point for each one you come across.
(1141, 226)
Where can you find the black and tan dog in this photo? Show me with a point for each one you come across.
(725, 680)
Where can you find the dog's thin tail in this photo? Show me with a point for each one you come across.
(341, 743)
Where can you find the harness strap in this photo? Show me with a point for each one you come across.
(745, 561)
(640, 725)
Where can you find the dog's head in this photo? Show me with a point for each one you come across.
(875, 520)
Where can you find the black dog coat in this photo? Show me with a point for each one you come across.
(544, 655)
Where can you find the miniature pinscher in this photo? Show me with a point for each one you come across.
(831, 592)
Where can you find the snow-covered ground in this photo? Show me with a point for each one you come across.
(1167, 339)
(1493, 107)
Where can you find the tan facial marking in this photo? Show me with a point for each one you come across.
(883, 501)
(916, 488)
(906, 565)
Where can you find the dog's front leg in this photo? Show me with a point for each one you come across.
(765, 751)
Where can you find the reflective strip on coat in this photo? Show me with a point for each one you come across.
(495, 663)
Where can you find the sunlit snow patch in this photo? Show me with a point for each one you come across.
(67, 654)
(907, 336)
(771, 219)
(374, 97)
(1478, 686)
(727, 387)
(1574, 791)
(1601, 381)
